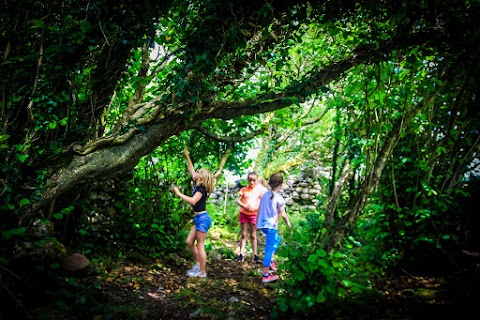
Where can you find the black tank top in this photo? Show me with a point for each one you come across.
(201, 205)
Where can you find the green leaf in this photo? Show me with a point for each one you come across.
(4, 137)
(58, 216)
(24, 202)
(22, 158)
(295, 101)
(355, 242)
(334, 31)
(85, 26)
(300, 275)
(347, 283)
(37, 23)
(55, 266)
(312, 258)
(321, 253)
(321, 297)
(14, 232)
(67, 210)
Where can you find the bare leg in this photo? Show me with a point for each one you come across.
(243, 240)
(201, 253)
(253, 238)
(192, 235)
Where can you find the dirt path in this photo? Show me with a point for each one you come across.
(233, 290)
(161, 290)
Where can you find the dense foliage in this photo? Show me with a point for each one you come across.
(98, 100)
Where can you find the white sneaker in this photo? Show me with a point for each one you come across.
(194, 269)
(196, 273)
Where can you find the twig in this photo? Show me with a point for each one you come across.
(13, 274)
(4, 189)
(104, 35)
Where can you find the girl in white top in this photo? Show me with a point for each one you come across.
(272, 204)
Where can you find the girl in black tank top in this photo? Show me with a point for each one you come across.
(204, 182)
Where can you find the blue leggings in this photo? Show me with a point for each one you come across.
(272, 242)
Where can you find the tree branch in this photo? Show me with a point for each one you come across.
(223, 160)
(213, 136)
(123, 152)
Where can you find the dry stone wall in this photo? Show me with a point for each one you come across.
(303, 190)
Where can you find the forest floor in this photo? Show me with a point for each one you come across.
(234, 290)
(162, 290)
(231, 291)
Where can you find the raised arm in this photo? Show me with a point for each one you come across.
(190, 167)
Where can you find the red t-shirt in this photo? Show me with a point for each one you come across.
(250, 196)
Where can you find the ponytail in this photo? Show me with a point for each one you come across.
(274, 181)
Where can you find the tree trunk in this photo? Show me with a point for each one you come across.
(333, 239)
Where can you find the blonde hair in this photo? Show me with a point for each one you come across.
(207, 179)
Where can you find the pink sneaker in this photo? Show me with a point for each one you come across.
(269, 278)
(273, 266)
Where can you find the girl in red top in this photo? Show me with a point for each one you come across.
(249, 201)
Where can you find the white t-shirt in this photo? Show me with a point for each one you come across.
(267, 216)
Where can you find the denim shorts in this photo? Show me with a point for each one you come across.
(202, 222)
